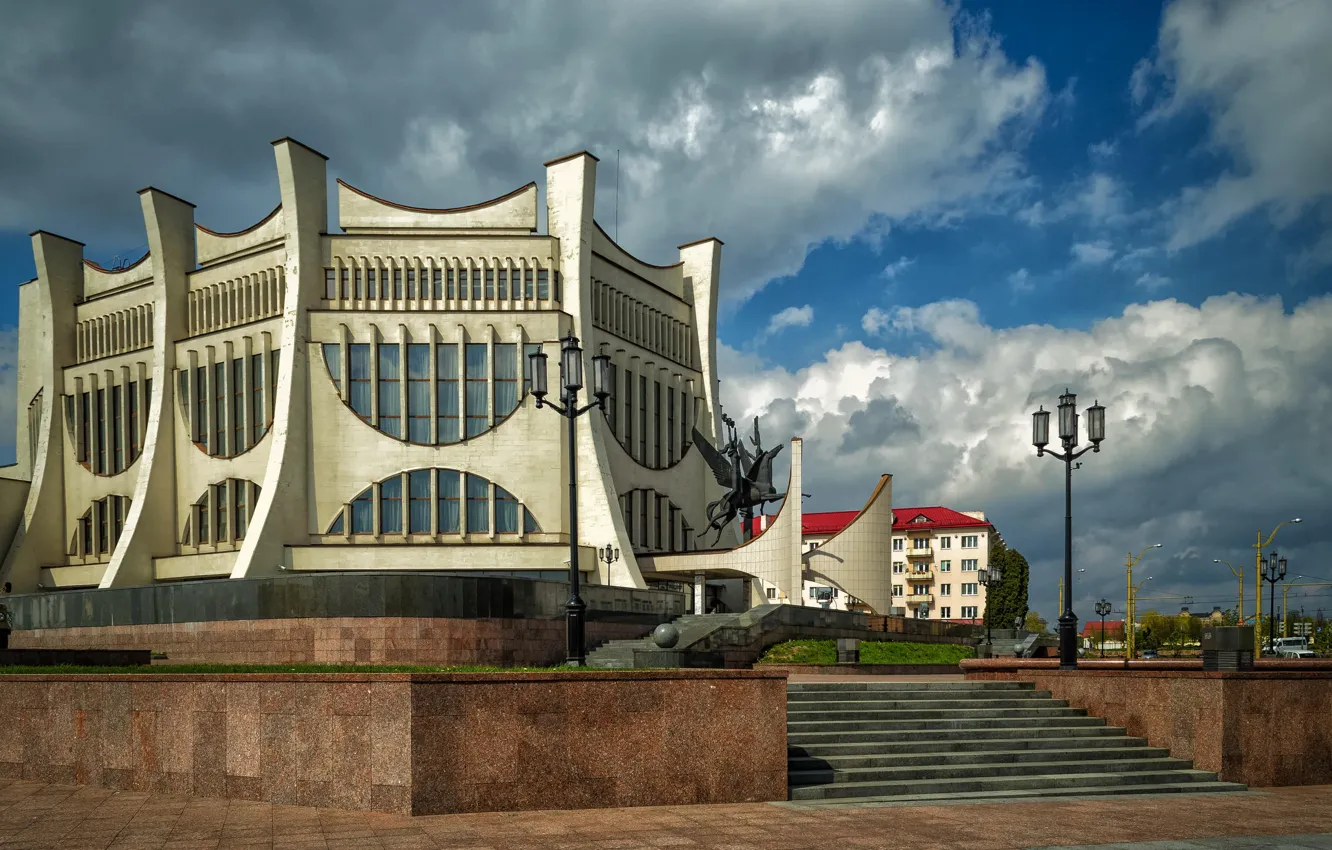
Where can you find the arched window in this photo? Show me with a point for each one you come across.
(398, 398)
(221, 516)
(434, 501)
(100, 528)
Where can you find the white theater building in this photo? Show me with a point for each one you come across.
(290, 398)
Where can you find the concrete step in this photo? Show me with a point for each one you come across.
(1031, 782)
(960, 726)
(814, 733)
(892, 716)
(1020, 794)
(858, 697)
(936, 747)
(916, 773)
(1085, 755)
(977, 705)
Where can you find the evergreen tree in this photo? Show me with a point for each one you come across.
(1008, 600)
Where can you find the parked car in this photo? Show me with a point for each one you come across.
(1148, 654)
(1295, 652)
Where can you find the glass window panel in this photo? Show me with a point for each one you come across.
(449, 495)
(201, 516)
(613, 399)
(102, 538)
(132, 405)
(220, 503)
(371, 283)
(437, 284)
(478, 391)
(238, 405)
(390, 505)
(476, 284)
(338, 524)
(363, 513)
(333, 360)
(684, 422)
(85, 523)
(418, 392)
(529, 523)
(506, 511)
(557, 286)
(478, 504)
(390, 416)
(543, 284)
(490, 284)
(506, 378)
(201, 405)
(345, 273)
(397, 284)
(219, 410)
(656, 416)
(330, 283)
(528, 278)
(446, 392)
(642, 420)
(85, 429)
(118, 506)
(359, 367)
(101, 432)
(117, 431)
(418, 489)
(239, 507)
(257, 416)
(670, 426)
(449, 276)
(503, 284)
(411, 283)
(629, 411)
(358, 287)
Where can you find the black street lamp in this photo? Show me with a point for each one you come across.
(990, 578)
(1068, 436)
(571, 381)
(1274, 570)
(1102, 608)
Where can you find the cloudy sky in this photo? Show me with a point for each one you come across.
(936, 217)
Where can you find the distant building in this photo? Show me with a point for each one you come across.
(937, 554)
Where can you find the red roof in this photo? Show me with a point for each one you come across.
(1095, 626)
(829, 523)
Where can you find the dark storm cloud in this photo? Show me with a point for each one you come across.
(882, 422)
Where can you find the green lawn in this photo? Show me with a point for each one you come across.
(280, 668)
(871, 652)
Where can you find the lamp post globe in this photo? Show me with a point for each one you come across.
(1068, 438)
(1102, 608)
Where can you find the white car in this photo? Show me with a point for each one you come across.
(1295, 652)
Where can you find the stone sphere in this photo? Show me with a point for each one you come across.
(665, 636)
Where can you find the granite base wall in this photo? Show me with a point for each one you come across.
(864, 669)
(497, 642)
(1268, 727)
(407, 743)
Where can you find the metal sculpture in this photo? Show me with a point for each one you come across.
(747, 477)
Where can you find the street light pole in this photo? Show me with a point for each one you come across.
(1258, 582)
(990, 577)
(1273, 571)
(571, 381)
(1068, 436)
(1103, 608)
(1129, 643)
(1131, 625)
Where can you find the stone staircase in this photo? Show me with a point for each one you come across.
(854, 743)
(619, 654)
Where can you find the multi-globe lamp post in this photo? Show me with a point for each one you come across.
(990, 577)
(1102, 608)
(571, 381)
(1068, 436)
(1273, 571)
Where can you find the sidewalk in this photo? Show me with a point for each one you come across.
(62, 817)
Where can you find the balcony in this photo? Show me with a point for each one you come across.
(915, 600)
(927, 552)
(920, 575)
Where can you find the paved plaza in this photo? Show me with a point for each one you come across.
(34, 816)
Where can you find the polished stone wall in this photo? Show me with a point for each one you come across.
(407, 743)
